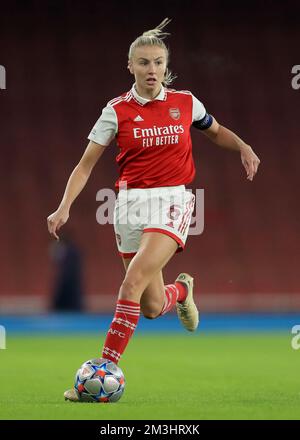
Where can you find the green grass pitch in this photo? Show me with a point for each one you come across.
(171, 377)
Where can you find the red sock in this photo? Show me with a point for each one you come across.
(173, 292)
(121, 329)
(182, 291)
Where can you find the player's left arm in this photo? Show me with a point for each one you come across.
(225, 138)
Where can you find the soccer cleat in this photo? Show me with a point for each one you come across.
(71, 395)
(187, 310)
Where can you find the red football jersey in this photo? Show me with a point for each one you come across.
(153, 137)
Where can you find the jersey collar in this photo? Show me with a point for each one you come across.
(142, 101)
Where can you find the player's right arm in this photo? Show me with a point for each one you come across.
(75, 185)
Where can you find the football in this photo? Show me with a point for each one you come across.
(99, 380)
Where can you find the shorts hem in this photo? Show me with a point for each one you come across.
(127, 254)
(170, 234)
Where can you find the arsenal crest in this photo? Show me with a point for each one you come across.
(174, 113)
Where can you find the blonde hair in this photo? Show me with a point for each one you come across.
(154, 37)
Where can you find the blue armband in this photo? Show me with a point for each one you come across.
(203, 123)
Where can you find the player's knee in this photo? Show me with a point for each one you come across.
(150, 313)
(131, 288)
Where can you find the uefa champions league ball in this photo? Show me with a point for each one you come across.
(99, 380)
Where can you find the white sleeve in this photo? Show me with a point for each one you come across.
(199, 110)
(105, 128)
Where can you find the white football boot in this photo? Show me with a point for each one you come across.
(187, 310)
(71, 395)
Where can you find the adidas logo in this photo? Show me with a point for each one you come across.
(138, 118)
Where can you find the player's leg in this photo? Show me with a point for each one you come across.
(158, 298)
(154, 252)
(152, 299)
(175, 206)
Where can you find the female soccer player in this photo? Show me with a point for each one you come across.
(153, 209)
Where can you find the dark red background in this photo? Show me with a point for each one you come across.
(65, 60)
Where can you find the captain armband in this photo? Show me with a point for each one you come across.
(203, 123)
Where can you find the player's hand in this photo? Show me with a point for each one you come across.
(250, 161)
(56, 220)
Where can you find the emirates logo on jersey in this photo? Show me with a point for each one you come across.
(157, 136)
(174, 113)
